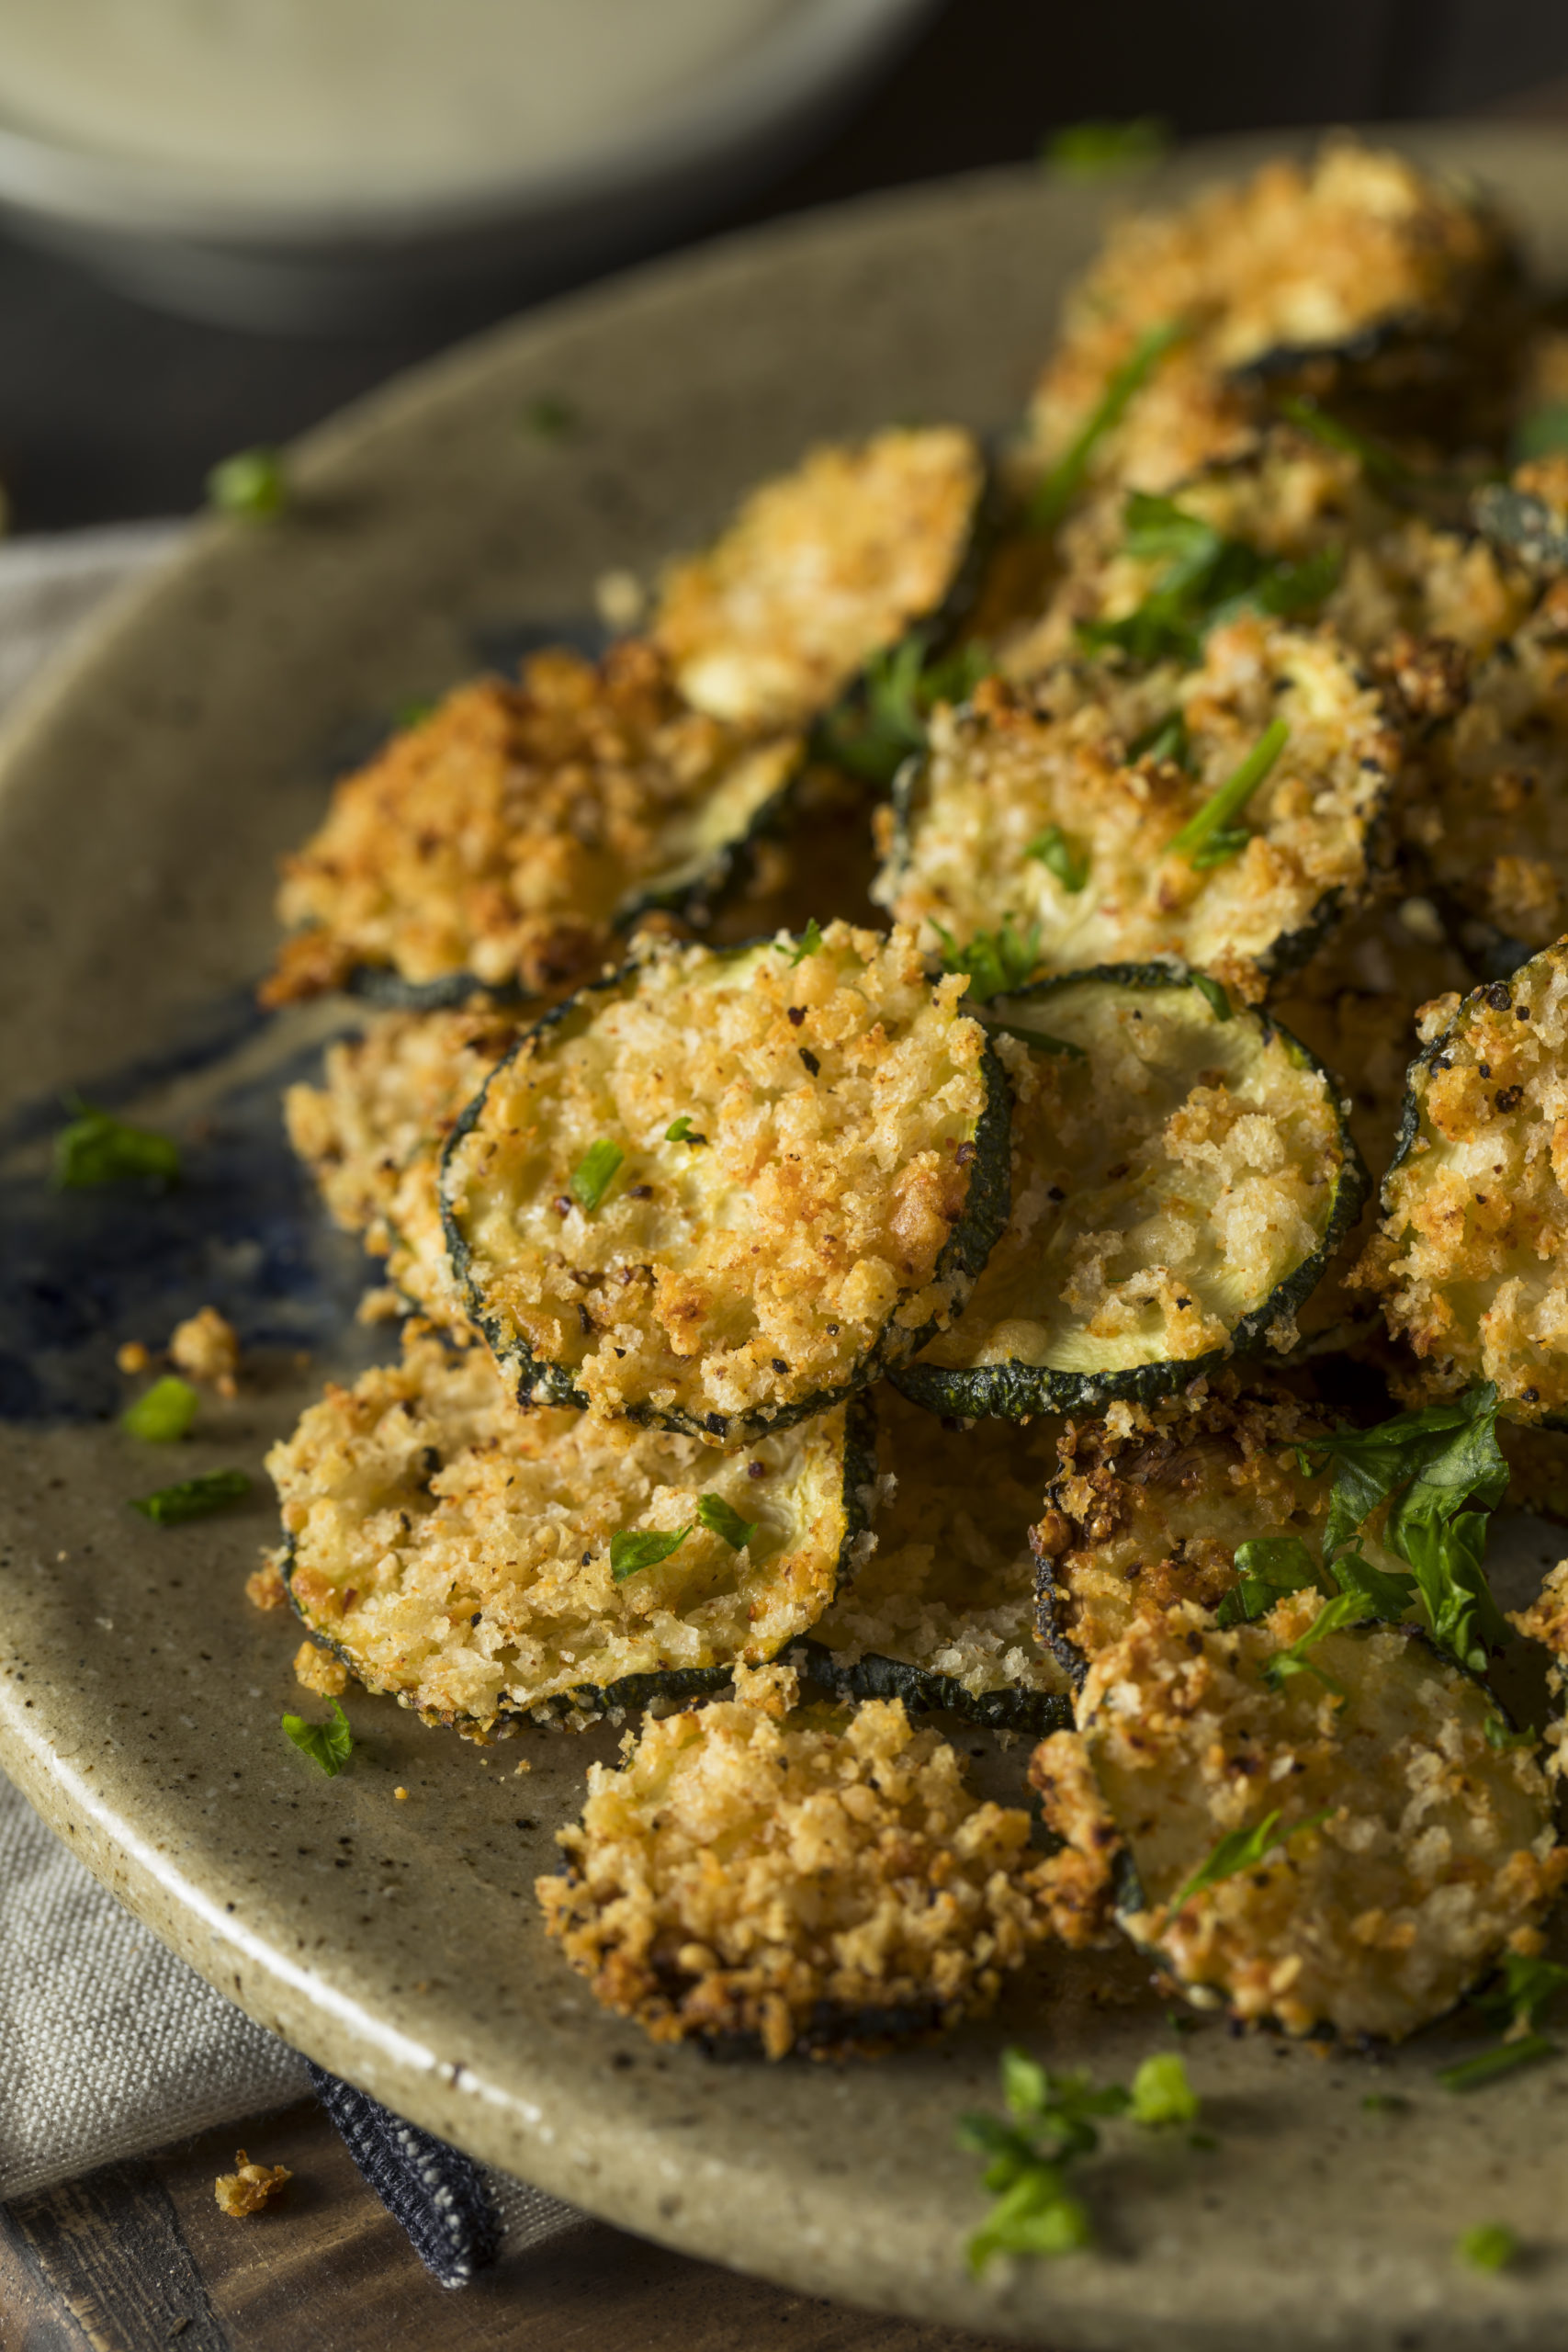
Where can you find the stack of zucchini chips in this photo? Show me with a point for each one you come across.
(867, 1119)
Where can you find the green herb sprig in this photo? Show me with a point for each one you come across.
(722, 1520)
(883, 723)
(250, 484)
(810, 941)
(327, 1745)
(1058, 488)
(162, 1413)
(1491, 2245)
(1090, 151)
(1208, 580)
(1210, 834)
(193, 1498)
(595, 1174)
(997, 962)
(680, 1130)
(1243, 1849)
(98, 1148)
(1068, 860)
(632, 1549)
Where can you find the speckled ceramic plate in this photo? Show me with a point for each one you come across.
(145, 795)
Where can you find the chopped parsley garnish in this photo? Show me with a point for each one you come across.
(876, 728)
(1344, 1609)
(1243, 1849)
(1211, 835)
(414, 714)
(720, 1519)
(549, 418)
(1086, 151)
(1061, 485)
(163, 1412)
(1377, 458)
(631, 1549)
(1166, 739)
(1055, 2120)
(1062, 856)
(328, 1745)
(1470, 2073)
(1526, 1984)
(810, 941)
(1213, 993)
(680, 1130)
(98, 1148)
(1269, 1567)
(997, 961)
(1040, 1038)
(1543, 433)
(1443, 1473)
(594, 1173)
(193, 1498)
(250, 483)
(1502, 1737)
(1491, 2245)
(1208, 578)
(1385, 2103)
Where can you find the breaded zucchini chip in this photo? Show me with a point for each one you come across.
(1546, 1621)
(1086, 814)
(942, 1613)
(724, 1189)
(1484, 808)
(1181, 1171)
(503, 840)
(1144, 1518)
(461, 1551)
(371, 1135)
(1471, 1258)
(821, 568)
(1354, 271)
(829, 1883)
(1400, 1854)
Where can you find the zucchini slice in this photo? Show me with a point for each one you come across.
(503, 840)
(1181, 1173)
(942, 1613)
(1468, 1259)
(1410, 1853)
(1354, 272)
(826, 1882)
(722, 1190)
(1485, 819)
(371, 1136)
(456, 1550)
(822, 569)
(1058, 811)
(1147, 1516)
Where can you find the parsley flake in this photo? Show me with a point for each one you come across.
(1089, 151)
(1209, 836)
(328, 1745)
(1207, 578)
(1213, 993)
(810, 941)
(632, 1549)
(249, 484)
(594, 1173)
(1470, 2073)
(1162, 2094)
(1491, 2245)
(998, 962)
(881, 723)
(163, 1412)
(1268, 1567)
(720, 1519)
(1525, 1985)
(1061, 856)
(98, 1148)
(680, 1130)
(193, 1498)
(1243, 1849)
(548, 417)
(1059, 487)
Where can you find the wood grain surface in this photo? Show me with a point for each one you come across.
(138, 2257)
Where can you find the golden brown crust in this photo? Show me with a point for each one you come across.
(830, 1883)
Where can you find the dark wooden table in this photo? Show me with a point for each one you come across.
(139, 2257)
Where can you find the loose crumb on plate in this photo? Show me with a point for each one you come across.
(249, 2188)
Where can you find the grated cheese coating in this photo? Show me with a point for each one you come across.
(949, 1588)
(1004, 770)
(1352, 262)
(821, 568)
(453, 1547)
(506, 836)
(1166, 1183)
(828, 1883)
(1437, 1857)
(806, 1237)
(1468, 1261)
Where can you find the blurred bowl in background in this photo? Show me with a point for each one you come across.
(339, 166)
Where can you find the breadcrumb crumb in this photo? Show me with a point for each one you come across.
(205, 1347)
(249, 2188)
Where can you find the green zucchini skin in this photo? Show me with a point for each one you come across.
(1523, 523)
(587, 1700)
(965, 1251)
(1018, 1391)
(925, 1692)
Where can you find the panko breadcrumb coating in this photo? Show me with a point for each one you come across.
(1434, 1856)
(1469, 1257)
(840, 1104)
(505, 836)
(827, 1884)
(1076, 752)
(455, 1549)
(1354, 269)
(821, 568)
